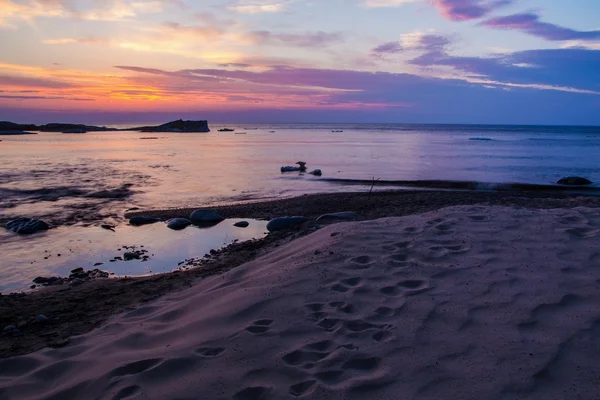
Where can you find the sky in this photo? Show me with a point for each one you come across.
(403, 61)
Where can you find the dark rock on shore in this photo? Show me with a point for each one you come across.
(178, 224)
(141, 220)
(242, 224)
(177, 126)
(279, 224)
(339, 216)
(574, 181)
(205, 216)
(78, 275)
(26, 226)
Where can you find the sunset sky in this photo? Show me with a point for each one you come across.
(440, 61)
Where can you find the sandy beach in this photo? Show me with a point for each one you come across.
(458, 301)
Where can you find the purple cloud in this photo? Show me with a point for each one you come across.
(464, 10)
(427, 43)
(531, 24)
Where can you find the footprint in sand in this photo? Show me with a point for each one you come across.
(260, 326)
(303, 388)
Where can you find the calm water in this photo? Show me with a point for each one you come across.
(83, 179)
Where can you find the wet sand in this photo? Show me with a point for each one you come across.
(76, 310)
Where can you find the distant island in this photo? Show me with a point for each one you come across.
(11, 128)
(175, 126)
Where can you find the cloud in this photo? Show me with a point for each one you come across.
(464, 10)
(387, 3)
(12, 11)
(530, 23)
(258, 8)
(307, 39)
(415, 41)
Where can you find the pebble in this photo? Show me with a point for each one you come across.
(42, 319)
(282, 223)
(203, 216)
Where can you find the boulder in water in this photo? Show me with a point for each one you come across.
(26, 226)
(316, 172)
(574, 181)
(141, 220)
(178, 224)
(205, 216)
(242, 224)
(289, 168)
(339, 216)
(279, 224)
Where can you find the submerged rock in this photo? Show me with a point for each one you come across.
(178, 224)
(26, 226)
(205, 216)
(574, 181)
(242, 224)
(279, 224)
(339, 216)
(141, 220)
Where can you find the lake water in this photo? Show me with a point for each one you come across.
(84, 179)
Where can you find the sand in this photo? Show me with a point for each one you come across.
(466, 302)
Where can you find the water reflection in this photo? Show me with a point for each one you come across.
(58, 251)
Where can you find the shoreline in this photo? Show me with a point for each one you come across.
(75, 310)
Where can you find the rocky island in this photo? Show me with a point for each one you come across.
(176, 126)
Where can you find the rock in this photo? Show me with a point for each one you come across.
(339, 216)
(42, 319)
(9, 329)
(242, 224)
(141, 220)
(26, 226)
(178, 224)
(574, 181)
(302, 165)
(290, 169)
(316, 172)
(282, 223)
(205, 216)
(77, 270)
(107, 227)
(131, 256)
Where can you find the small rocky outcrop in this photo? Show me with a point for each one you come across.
(242, 224)
(141, 220)
(574, 181)
(26, 226)
(178, 224)
(282, 223)
(339, 216)
(205, 216)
